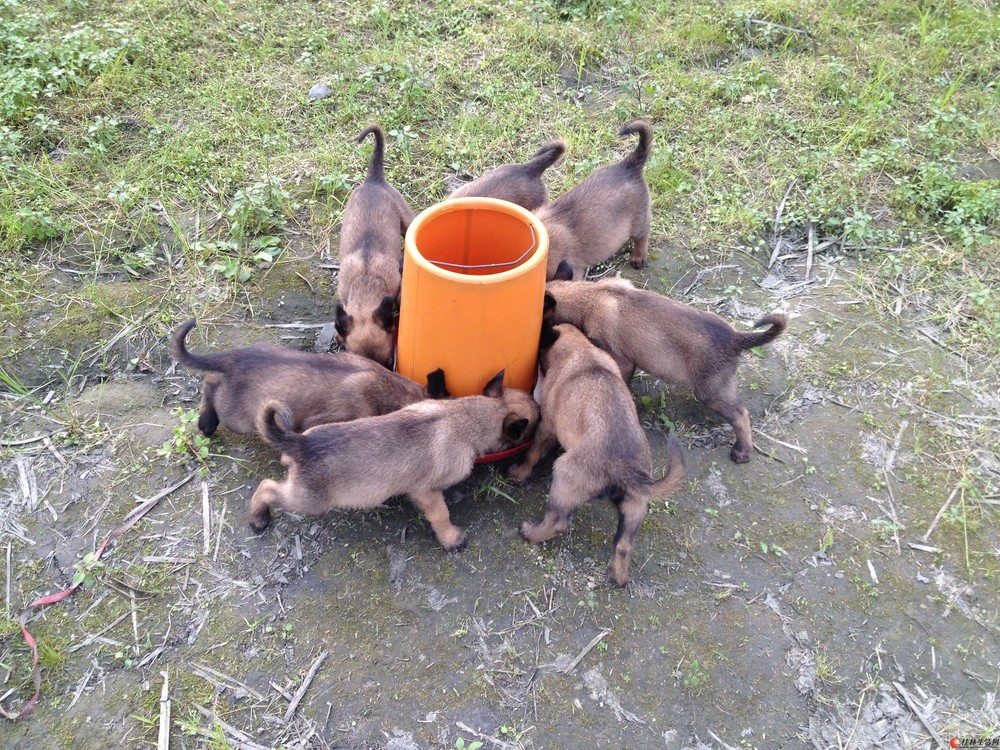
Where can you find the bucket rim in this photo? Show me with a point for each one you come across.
(539, 255)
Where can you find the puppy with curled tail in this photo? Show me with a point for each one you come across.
(316, 388)
(375, 218)
(517, 183)
(592, 221)
(674, 342)
(419, 451)
(588, 410)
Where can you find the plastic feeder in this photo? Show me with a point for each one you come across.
(473, 287)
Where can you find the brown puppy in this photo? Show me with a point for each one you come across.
(593, 220)
(588, 410)
(518, 183)
(375, 217)
(420, 451)
(674, 342)
(316, 388)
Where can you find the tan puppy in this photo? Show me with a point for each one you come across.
(593, 220)
(375, 218)
(588, 410)
(315, 388)
(420, 451)
(667, 339)
(518, 183)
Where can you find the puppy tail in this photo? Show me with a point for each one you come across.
(547, 155)
(637, 159)
(275, 424)
(178, 350)
(778, 323)
(376, 168)
(675, 469)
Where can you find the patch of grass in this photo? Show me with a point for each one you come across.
(42, 56)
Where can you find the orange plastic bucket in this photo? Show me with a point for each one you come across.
(473, 288)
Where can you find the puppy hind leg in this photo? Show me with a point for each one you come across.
(432, 505)
(729, 404)
(639, 256)
(631, 513)
(268, 493)
(208, 418)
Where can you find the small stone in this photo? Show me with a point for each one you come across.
(319, 91)
(325, 338)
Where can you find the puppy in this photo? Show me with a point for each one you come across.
(419, 450)
(375, 217)
(518, 183)
(593, 220)
(588, 410)
(670, 340)
(315, 388)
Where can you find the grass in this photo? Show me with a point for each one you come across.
(871, 115)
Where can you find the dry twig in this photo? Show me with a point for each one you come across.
(809, 249)
(163, 741)
(803, 451)
(586, 650)
(919, 714)
(777, 224)
(305, 685)
(947, 504)
(206, 519)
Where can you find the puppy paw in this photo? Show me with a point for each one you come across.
(618, 579)
(208, 423)
(518, 472)
(739, 454)
(638, 262)
(259, 521)
(527, 531)
(460, 543)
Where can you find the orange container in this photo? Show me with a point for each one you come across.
(473, 287)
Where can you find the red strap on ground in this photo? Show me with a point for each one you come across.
(130, 521)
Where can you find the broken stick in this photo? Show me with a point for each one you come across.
(304, 686)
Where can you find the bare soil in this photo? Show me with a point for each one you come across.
(801, 600)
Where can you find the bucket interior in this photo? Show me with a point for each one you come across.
(476, 241)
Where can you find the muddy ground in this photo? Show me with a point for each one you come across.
(814, 597)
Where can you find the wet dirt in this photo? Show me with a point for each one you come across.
(794, 601)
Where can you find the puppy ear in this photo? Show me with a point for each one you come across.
(344, 321)
(494, 388)
(549, 335)
(514, 429)
(385, 314)
(564, 271)
(436, 387)
(550, 302)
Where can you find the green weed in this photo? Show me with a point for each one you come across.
(260, 208)
(695, 677)
(187, 442)
(88, 571)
